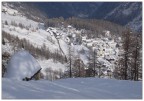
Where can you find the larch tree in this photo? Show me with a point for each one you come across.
(69, 60)
(126, 41)
(79, 67)
(129, 63)
(137, 57)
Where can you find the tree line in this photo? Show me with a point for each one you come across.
(129, 65)
(93, 27)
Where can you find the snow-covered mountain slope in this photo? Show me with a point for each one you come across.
(74, 88)
(25, 9)
(45, 64)
(31, 32)
(53, 38)
(58, 39)
(129, 13)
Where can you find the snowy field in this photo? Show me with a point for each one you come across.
(74, 88)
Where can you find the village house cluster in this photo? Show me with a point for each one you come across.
(106, 51)
(106, 48)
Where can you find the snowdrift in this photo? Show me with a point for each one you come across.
(22, 64)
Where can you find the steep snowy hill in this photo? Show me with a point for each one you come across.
(57, 40)
(75, 88)
(26, 9)
(129, 13)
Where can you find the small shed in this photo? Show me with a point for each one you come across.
(22, 66)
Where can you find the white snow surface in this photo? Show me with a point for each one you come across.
(18, 19)
(22, 64)
(74, 88)
(7, 48)
(51, 64)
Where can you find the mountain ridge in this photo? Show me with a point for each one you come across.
(123, 13)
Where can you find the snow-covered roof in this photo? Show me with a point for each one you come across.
(88, 40)
(89, 44)
(83, 37)
(22, 64)
(69, 26)
(74, 35)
